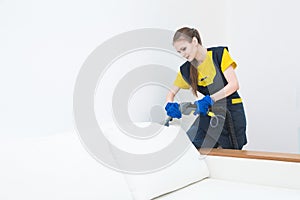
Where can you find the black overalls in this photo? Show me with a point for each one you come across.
(212, 132)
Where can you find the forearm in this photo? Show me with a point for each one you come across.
(226, 91)
(173, 91)
(231, 87)
(170, 97)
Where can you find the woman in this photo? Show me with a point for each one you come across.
(210, 72)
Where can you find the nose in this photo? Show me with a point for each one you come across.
(184, 55)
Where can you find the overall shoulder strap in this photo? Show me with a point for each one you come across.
(185, 71)
(217, 53)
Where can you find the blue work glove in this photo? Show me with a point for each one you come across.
(203, 105)
(173, 110)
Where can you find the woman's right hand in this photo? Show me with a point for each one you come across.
(173, 110)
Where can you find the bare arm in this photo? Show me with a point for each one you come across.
(231, 87)
(173, 91)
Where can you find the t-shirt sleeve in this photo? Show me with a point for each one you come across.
(227, 61)
(180, 82)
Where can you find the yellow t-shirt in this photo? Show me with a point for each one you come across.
(206, 70)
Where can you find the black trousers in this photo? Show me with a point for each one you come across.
(212, 132)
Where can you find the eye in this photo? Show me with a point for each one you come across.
(182, 49)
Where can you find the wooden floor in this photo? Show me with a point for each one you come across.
(288, 157)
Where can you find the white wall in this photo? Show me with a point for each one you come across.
(44, 44)
(264, 38)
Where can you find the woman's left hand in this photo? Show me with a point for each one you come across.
(203, 105)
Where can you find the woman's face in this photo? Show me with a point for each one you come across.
(186, 49)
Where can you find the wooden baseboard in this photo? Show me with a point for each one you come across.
(287, 157)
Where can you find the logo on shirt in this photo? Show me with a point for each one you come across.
(202, 79)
